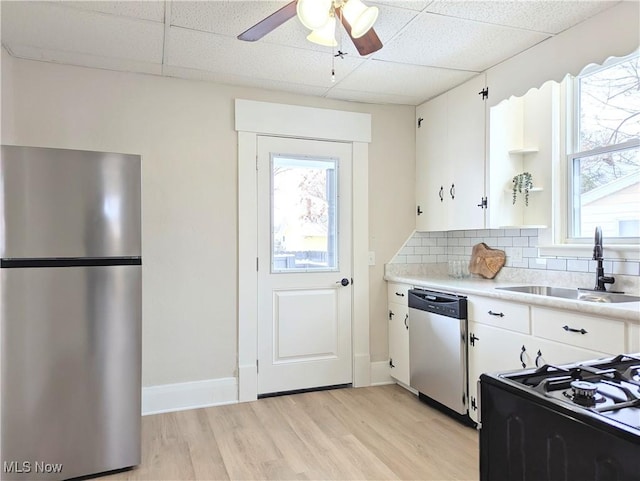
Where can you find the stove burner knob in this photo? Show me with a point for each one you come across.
(584, 389)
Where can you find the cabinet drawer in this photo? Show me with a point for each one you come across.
(397, 292)
(598, 334)
(504, 314)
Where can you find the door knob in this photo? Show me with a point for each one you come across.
(344, 282)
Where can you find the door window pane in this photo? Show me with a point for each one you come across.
(303, 214)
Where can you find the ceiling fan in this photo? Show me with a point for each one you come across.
(320, 17)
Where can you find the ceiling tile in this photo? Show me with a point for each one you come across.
(372, 98)
(229, 18)
(54, 27)
(391, 21)
(237, 80)
(542, 15)
(402, 79)
(407, 5)
(440, 41)
(203, 51)
(144, 10)
(85, 60)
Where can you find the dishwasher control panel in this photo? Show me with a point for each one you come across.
(445, 304)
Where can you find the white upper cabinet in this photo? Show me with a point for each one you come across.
(523, 138)
(450, 159)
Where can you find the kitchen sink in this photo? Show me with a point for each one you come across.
(576, 294)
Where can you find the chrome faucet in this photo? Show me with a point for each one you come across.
(601, 279)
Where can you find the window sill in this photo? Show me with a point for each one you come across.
(612, 252)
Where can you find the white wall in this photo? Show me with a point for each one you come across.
(184, 132)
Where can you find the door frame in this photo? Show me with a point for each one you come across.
(252, 119)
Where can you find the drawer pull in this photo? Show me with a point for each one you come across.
(522, 352)
(571, 329)
(406, 317)
(538, 357)
(499, 314)
(399, 294)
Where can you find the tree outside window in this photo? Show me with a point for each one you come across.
(605, 165)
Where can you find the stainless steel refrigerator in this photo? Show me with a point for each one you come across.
(70, 312)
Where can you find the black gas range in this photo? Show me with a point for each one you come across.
(572, 422)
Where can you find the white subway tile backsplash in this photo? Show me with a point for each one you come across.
(578, 265)
(440, 247)
(534, 264)
(556, 264)
(429, 242)
(414, 241)
(399, 259)
(521, 241)
(504, 241)
(407, 250)
(626, 268)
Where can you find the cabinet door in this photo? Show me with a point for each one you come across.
(555, 353)
(466, 154)
(493, 350)
(399, 342)
(432, 165)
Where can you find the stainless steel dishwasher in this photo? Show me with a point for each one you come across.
(438, 349)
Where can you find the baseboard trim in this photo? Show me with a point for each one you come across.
(189, 395)
(380, 373)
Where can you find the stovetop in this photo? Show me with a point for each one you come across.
(605, 389)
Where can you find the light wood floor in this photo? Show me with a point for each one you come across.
(381, 432)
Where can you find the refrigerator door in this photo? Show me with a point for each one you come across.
(68, 203)
(71, 381)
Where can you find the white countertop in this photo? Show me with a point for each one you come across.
(438, 280)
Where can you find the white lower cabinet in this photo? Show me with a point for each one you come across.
(495, 347)
(492, 349)
(398, 332)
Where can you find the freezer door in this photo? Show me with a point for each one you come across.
(68, 203)
(71, 356)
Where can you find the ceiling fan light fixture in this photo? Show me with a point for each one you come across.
(360, 17)
(313, 13)
(325, 35)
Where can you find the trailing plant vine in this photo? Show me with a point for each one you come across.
(522, 183)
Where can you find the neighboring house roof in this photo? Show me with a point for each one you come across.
(610, 188)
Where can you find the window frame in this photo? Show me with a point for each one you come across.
(574, 152)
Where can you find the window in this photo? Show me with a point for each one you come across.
(604, 163)
(303, 214)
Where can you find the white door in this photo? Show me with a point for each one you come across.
(304, 264)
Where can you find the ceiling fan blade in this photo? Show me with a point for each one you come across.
(269, 23)
(368, 43)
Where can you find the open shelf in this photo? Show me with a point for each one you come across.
(532, 189)
(524, 150)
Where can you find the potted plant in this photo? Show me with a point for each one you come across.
(522, 183)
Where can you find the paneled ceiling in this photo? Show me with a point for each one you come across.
(429, 46)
